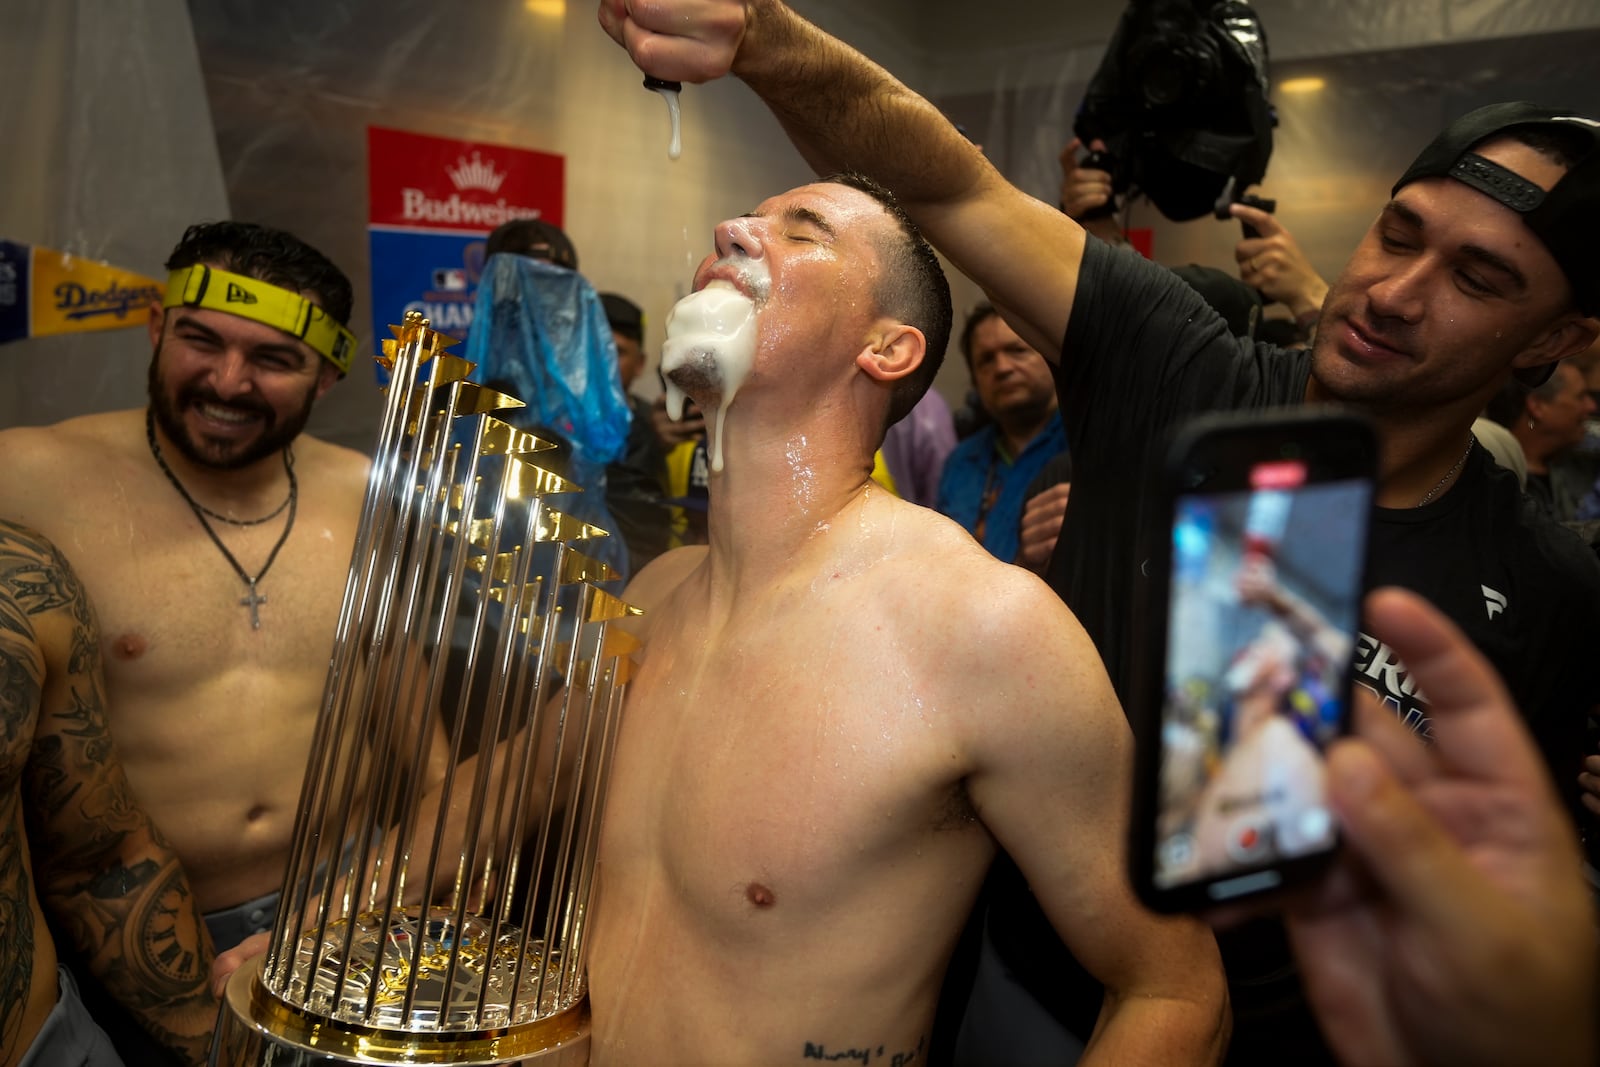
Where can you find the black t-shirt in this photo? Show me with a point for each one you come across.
(1525, 589)
(1142, 353)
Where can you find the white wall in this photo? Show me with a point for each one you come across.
(108, 155)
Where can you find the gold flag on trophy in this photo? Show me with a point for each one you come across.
(477, 640)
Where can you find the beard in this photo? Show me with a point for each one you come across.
(710, 345)
(275, 436)
(699, 376)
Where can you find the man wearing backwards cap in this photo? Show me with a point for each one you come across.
(213, 537)
(1485, 263)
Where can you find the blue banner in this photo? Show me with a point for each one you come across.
(13, 291)
(435, 274)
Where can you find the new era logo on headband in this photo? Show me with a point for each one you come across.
(203, 286)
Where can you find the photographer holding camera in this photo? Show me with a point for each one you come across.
(1270, 261)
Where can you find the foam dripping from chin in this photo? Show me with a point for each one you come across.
(710, 345)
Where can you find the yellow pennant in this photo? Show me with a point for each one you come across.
(45, 292)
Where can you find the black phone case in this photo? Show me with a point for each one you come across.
(1215, 453)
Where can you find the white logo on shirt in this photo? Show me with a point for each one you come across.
(1494, 601)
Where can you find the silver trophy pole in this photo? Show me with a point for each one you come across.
(434, 906)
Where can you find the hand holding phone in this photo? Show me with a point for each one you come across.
(1258, 587)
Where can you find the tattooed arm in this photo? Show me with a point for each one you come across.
(27, 971)
(101, 868)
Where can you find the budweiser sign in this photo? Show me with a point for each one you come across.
(421, 208)
(476, 175)
(432, 183)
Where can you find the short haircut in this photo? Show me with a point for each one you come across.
(276, 257)
(977, 317)
(913, 288)
(1564, 147)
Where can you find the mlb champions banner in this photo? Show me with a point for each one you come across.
(44, 292)
(432, 203)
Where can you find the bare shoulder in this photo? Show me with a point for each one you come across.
(33, 448)
(42, 466)
(335, 463)
(957, 587)
(662, 575)
(993, 628)
(655, 583)
(333, 481)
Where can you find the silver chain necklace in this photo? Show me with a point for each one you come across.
(1451, 473)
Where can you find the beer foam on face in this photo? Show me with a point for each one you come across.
(710, 346)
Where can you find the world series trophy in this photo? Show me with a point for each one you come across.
(434, 906)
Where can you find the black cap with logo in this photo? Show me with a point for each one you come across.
(1566, 217)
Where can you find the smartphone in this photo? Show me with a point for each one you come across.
(1251, 630)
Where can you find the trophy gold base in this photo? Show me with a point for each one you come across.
(256, 1029)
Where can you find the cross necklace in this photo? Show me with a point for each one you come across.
(253, 600)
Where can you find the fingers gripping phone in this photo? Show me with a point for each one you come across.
(1258, 593)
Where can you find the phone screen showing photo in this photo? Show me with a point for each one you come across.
(1264, 600)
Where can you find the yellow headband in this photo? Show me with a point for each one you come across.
(251, 298)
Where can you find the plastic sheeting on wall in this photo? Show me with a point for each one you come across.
(109, 155)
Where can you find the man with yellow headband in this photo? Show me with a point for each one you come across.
(213, 537)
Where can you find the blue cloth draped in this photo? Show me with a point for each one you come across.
(540, 333)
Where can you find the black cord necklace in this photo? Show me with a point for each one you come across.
(253, 601)
(288, 468)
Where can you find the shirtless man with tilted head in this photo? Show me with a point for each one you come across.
(845, 705)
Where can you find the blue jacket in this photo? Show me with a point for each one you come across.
(969, 470)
